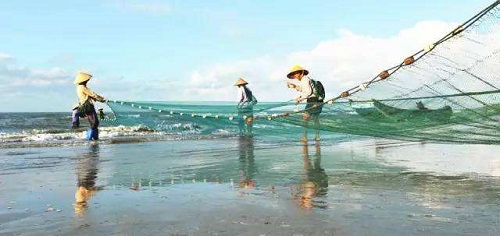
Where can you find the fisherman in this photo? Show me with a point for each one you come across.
(101, 114)
(421, 106)
(246, 101)
(307, 93)
(86, 98)
(75, 117)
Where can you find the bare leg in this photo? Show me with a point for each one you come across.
(316, 124)
(304, 136)
(249, 124)
(305, 124)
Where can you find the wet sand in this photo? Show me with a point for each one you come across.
(245, 186)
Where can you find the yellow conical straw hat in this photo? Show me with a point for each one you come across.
(296, 68)
(240, 81)
(82, 77)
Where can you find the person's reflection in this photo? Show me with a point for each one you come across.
(247, 164)
(316, 182)
(86, 171)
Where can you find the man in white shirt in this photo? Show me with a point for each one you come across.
(313, 107)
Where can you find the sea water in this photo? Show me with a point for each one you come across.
(191, 182)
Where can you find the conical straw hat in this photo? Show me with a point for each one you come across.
(240, 81)
(82, 77)
(294, 69)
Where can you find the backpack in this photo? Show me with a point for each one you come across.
(85, 108)
(250, 98)
(318, 89)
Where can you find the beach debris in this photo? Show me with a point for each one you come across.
(134, 187)
(84, 226)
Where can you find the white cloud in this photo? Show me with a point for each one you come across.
(215, 82)
(130, 90)
(38, 88)
(13, 76)
(340, 63)
(49, 76)
(5, 58)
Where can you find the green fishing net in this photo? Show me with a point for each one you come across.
(447, 92)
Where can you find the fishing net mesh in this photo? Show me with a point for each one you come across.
(447, 92)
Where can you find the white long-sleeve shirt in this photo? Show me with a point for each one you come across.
(242, 96)
(304, 88)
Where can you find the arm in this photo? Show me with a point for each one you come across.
(293, 86)
(241, 96)
(92, 94)
(296, 87)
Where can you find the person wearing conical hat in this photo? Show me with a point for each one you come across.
(86, 99)
(303, 85)
(101, 113)
(75, 117)
(306, 93)
(246, 101)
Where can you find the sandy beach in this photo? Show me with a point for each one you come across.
(246, 186)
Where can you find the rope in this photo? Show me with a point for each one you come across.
(423, 52)
(199, 115)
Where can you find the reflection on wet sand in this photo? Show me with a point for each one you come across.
(86, 170)
(247, 164)
(316, 182)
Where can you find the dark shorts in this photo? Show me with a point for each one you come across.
(92, 117)
(310, 107)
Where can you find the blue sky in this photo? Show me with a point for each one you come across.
(194, 50)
